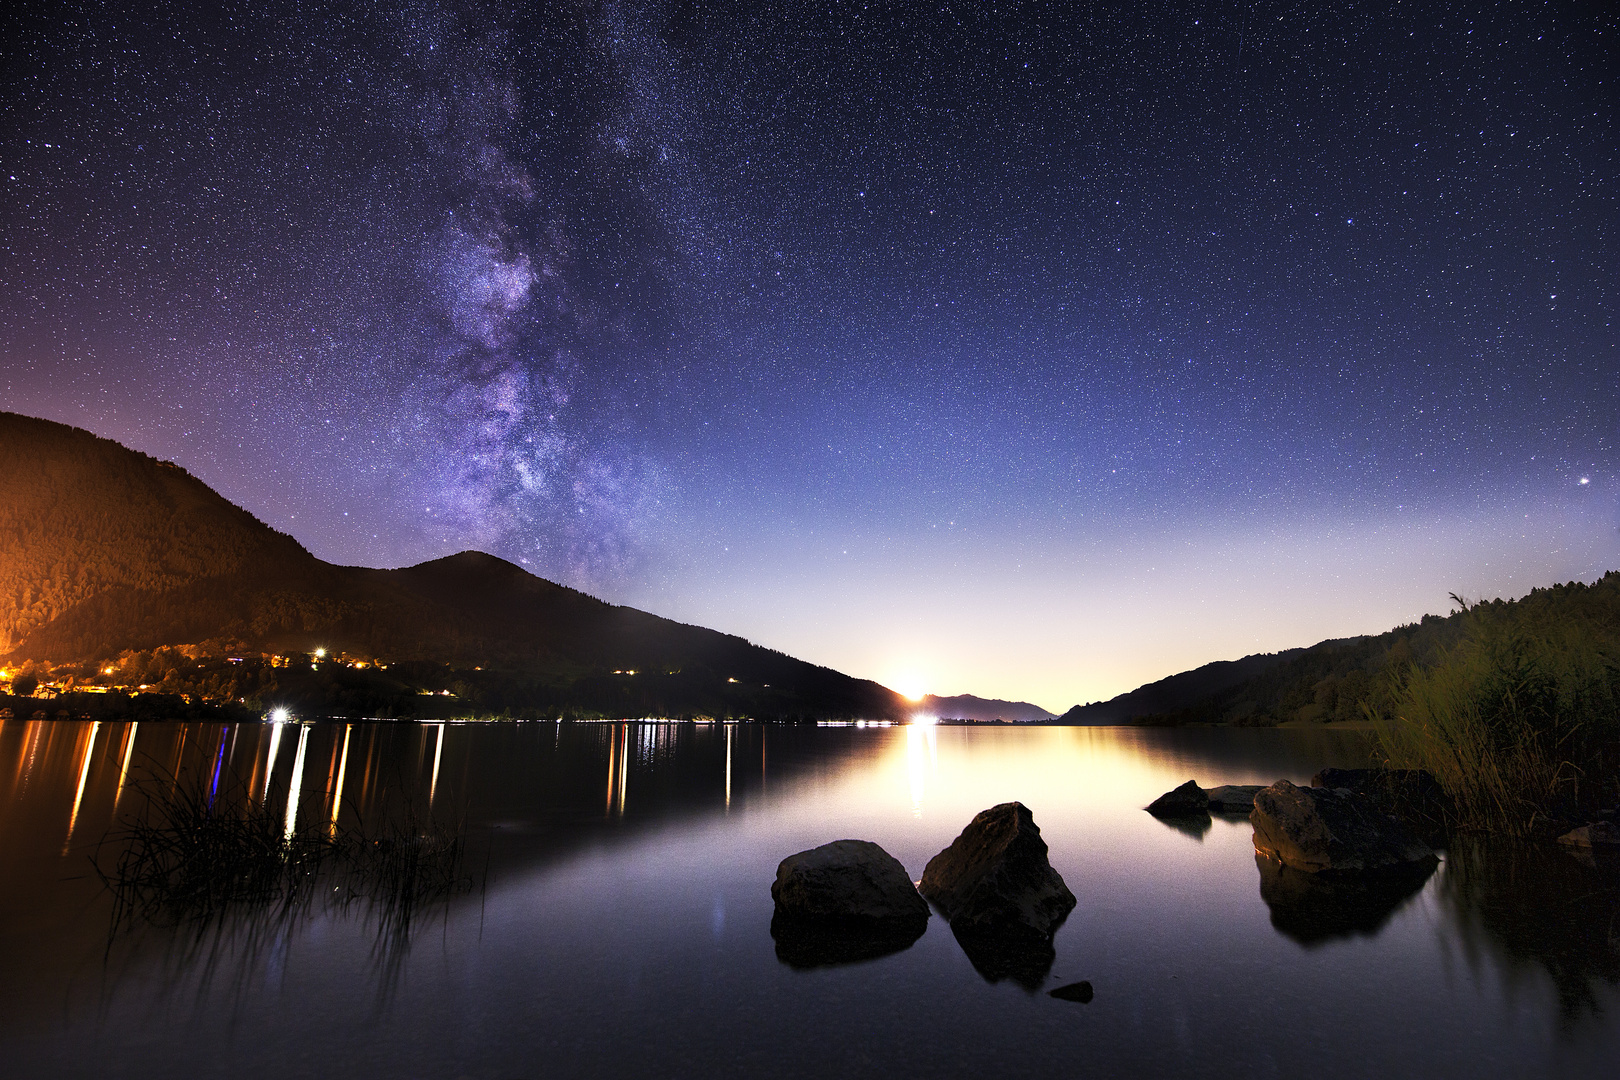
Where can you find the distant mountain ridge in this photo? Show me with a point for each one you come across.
(106, 551)
(1341, 678)
(1176, 692)
(969, 707)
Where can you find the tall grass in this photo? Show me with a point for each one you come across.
(1519, 721)
(206, 861)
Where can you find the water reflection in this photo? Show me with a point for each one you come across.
(342, 769)
(1524, 909)
(127, 752)
(922, 761)
(1313, 909)
(438, 756)
(1196, 826)
(295, 785)
(604, 913)
(804, 946)
(1024, 959)
(78, 794)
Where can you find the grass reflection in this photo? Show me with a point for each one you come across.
(234, 874)
(1534, 908)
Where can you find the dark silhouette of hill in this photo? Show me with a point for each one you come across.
(1176, 692)
(81, 516)
(968, 707)
(105, 551)
(1340, 678)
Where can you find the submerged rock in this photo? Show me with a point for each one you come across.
(853, 884)
(1188, 800)
(995, 879)
(1080, 991)
(1331, 829)
(1233, 798)
(1599, 834)
(1316, 908)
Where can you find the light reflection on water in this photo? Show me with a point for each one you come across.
(629, 869)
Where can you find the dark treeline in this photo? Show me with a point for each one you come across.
(1514, 705)
(1349, 678)
(185, 685)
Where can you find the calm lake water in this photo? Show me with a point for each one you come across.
(618, 920)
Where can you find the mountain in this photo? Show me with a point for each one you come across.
(1177, 692)
(1340, 679)
(106, 553)
(968, 707)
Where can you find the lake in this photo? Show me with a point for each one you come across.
(614, 918)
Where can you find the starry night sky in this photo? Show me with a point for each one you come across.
(1027, 350)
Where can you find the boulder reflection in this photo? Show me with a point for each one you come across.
(1026, 959)
(1313, 909)
(1531, 907)
(803, 946)
(1194, 825)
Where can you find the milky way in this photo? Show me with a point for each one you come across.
(1030, 350)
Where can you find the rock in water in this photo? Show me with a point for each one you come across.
(1333, 829)
(1413, 795)
(1188, 800)
(1233, 798)
(1080, 991)
(1599, 834)
(852, 883)
(995, 878)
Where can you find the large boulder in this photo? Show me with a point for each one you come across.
(1599, 834)
(1188, 800)
(1331, 829)
(847, 883)
(995, 879)
(1413, 795)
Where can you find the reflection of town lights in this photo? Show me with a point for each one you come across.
(279, 716)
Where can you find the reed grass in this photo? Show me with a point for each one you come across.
(191, 858)
(1518, 722)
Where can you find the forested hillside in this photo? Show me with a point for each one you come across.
(1334, 680)
(81, 516)
(108, 555)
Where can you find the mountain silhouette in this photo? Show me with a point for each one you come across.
(105, 551)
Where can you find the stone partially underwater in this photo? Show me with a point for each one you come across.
(1413, 795)
(1189, 801)
(1332, 830)
(1001, 895)
(1599, 835)
(842, 903)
